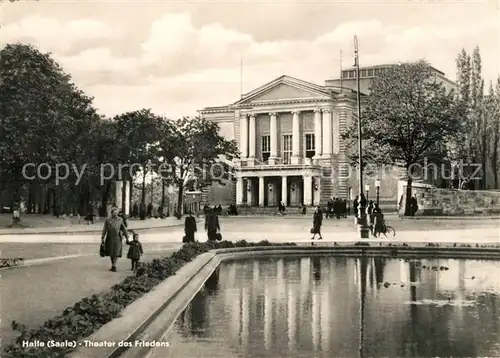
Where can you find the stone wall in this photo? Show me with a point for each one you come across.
(453, 202)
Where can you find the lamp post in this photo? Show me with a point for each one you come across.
(377, 185)
(362, 224)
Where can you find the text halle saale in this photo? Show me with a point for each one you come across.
(96, 344)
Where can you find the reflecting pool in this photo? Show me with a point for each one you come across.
(342, 307)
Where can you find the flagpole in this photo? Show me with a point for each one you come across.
(341, 88)
(241, 77)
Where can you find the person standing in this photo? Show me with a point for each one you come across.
(123, 217)
(212, 224)
(112, 237)
(355, 205)
(413, 205)
(190, 227)
(317, 222)
(89, 218)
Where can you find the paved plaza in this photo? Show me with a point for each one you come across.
(32, 294)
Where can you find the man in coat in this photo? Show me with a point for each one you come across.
(112, 236)
(212, 225)
(190, 227)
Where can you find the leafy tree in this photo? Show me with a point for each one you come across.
(407, 117)
(44, 119)
(474, 144)
(193, 151)
(492, 109)
(138, 135)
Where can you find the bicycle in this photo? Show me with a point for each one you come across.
(388, 232)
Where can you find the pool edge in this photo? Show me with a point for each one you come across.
(132, 325)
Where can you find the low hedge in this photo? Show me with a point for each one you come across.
(91, 313)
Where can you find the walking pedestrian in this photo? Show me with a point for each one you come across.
(317, 222)
(112, 237)
(134, 251)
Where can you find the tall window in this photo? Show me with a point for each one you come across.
(287, 148)
(266, 147)
(310, 146)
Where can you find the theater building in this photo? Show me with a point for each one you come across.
(289, 133)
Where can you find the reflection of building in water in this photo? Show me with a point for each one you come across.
(245, 315)
(296, 313)
(267, 316)
(325, 305)
(292, 317)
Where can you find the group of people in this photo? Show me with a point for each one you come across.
(337, 207)
(115, 228)
(212, 225)
(373, 211)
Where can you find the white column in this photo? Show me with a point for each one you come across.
(336, 132)
(273, 133)
(327, 132)
(118, 194)
(318, 133)
(307, 190)
(249, 189)
(239, 191)
(284, 190)
(127, 197)
(244, 136)
(296, 137)
(251, 137)
(317, 193)
(261, 191)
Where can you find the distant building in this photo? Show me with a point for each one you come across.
(367, 74)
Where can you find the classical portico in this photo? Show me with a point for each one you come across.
(289, 137)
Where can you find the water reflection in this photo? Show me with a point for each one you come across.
(342, 307)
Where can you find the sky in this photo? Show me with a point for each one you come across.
(177, 57)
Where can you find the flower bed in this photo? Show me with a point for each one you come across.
(91, 313)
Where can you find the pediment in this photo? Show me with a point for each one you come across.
(285, 88)
(285, 91)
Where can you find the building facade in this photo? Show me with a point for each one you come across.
(289, 134)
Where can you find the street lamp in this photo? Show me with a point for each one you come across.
(377, 185)
(362, 224)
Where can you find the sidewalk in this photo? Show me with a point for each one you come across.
(95, 228)
(33, 294)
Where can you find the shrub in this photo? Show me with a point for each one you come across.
(91, 313)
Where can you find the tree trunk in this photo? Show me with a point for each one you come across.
(484, 161)
(29, 206)
(180, 193)
(163, 193)
(143, 194)
(494, 154)
(408, 208)
(124, 194)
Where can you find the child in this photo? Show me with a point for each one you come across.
(134, 251)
